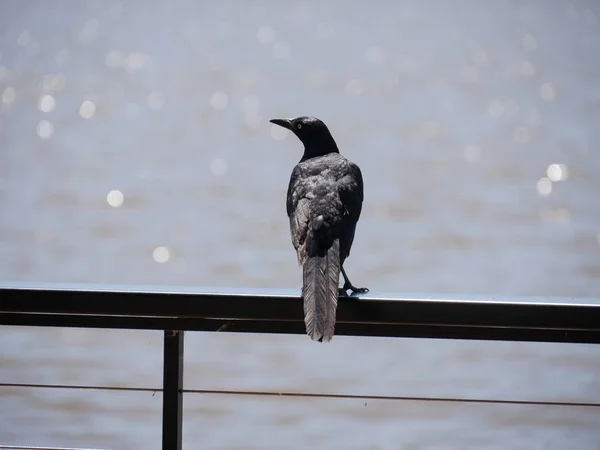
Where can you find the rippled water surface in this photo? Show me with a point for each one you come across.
(135, 148)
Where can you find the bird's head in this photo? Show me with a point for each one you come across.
(313, 133)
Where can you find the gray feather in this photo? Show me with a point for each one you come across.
(321, 276)
(299, 228)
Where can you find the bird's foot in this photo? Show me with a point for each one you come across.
(342, 292)
(353, 289)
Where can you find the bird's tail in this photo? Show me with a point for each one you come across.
(321, 274)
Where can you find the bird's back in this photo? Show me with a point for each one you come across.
(329, 186)
(319, 179)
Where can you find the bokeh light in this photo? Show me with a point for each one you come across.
(87, 109)
(45, 129)
(115, 198)
(544, 186)
(47, 103)
(161, 254)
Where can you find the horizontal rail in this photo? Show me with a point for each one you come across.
(21, 447)
(266, 311)
(545, 403)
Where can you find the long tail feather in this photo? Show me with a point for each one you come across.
(321, 276)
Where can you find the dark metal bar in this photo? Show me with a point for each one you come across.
(421, 331)
(518, 319)
(172, 390)
(21, 447)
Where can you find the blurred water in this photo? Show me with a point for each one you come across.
(135, 148)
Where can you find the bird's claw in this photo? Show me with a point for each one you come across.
(353, 289)
(362, 290)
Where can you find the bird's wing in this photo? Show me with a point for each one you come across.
(298, 212)
(350, 189)
(290, 200)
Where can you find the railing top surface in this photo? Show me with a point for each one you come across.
(253, 293)
(269, 310)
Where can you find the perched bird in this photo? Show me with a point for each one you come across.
(324, 201)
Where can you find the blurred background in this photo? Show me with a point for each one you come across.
(135, 148)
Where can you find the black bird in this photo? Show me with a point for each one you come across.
(324, 201)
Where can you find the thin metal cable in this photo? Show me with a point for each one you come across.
(28, 447)
(393, 397)
(79, 386)
(312, 395)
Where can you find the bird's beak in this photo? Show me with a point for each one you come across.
(285, 123)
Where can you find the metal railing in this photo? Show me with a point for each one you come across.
(27, 447)
(175, 310)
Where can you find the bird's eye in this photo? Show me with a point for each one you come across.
(299, 125)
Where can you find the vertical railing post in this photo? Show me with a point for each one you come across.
(172, 417)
